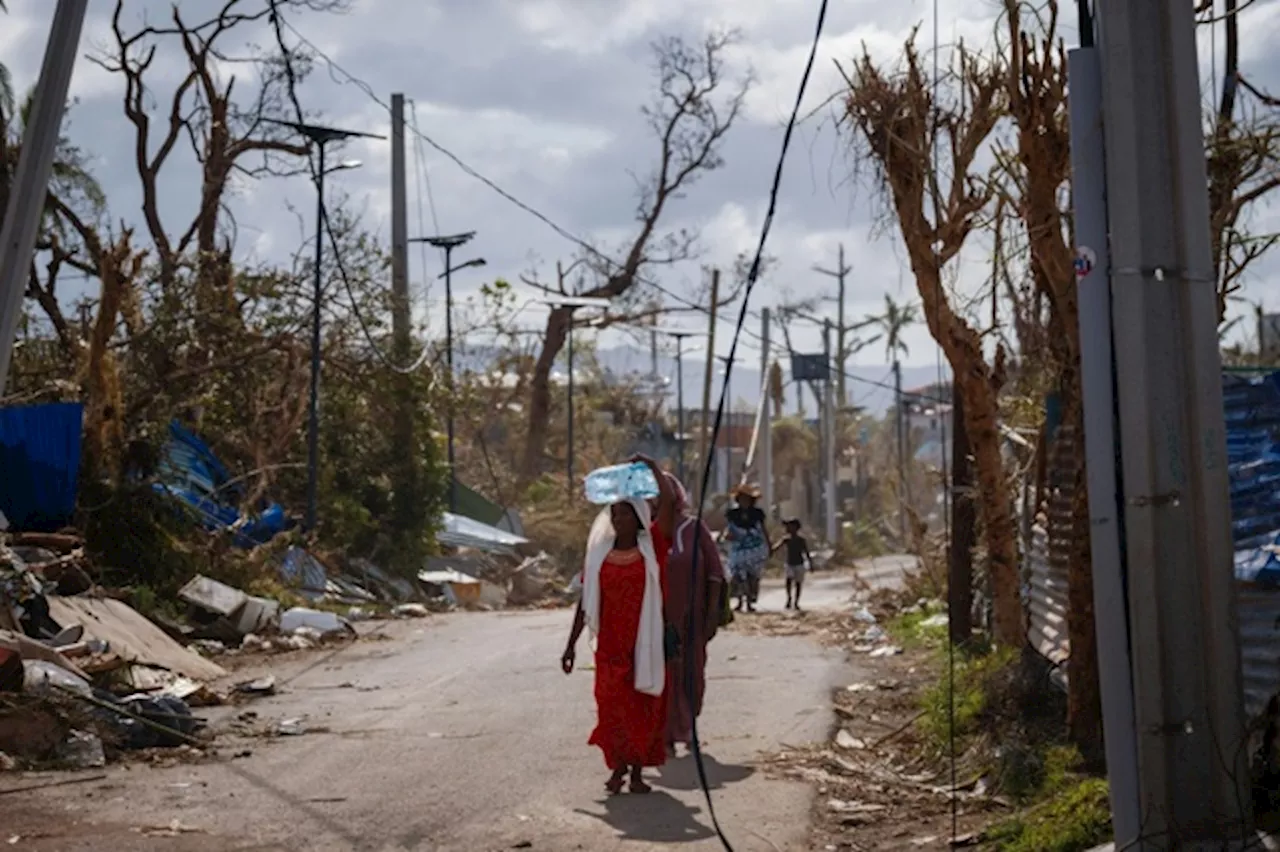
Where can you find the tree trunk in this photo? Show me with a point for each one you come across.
(963, 529)
(535, 442)
(1084, 696)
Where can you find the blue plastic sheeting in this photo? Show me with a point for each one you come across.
(190, 472)
(1252, 408)
(39, 465)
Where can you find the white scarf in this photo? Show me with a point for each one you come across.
(650, 662)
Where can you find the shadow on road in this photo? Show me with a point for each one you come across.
(682, 773)
(656, 818)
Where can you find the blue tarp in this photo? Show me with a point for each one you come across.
(1252, 409)
(190, 472)
(39, 465)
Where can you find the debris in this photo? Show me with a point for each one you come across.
(885, 651)
(209, 647)
(325, 622)
(131, 636)
(534, 580)
(464, 588)
(358, 614)
(44, 678)
(82, 750)
(261, 686)
(410, 610)
(875, 633)
(848, 741)
(864, 615)
(291, 727)
(7, 763)
(861, 687)
(938, 620)
(173, 829)
(244, 613)
(44, 785)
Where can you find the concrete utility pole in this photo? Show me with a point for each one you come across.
(900, 423)
(21, 224)
(404, 473)
(1192, 754)
(1089, 197)
(766, 417)
(829, 447)
(842, 351)
(706, 384)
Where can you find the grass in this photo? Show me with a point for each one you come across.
(973, 674)
(911, 629)
(1075, 819)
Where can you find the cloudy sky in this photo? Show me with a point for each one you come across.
(542, 96)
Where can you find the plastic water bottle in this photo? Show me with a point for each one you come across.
(621, 482)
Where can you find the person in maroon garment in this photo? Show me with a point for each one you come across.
(691, 585)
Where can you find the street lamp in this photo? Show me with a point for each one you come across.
(680, 334)
(320, 137)
(572, 302)
(449, 243)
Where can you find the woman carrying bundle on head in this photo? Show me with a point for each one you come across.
(622, 604)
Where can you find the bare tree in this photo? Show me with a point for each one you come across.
(693, 109)
(899, 120)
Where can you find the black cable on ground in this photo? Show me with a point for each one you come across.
(752, 277)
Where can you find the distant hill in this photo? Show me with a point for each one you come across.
(869, 387)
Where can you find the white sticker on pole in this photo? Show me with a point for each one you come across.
(1086, 259)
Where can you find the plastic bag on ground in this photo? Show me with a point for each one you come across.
(44, 678)
(325, 622)
(82, 750)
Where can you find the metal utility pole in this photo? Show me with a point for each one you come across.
(1089, 198)
(21, 224)
(449, 243)
(680, 335)
(842, 351)
(1193, 772)
(766, 417)
(709, 377)
(319, 136)
(829, 444)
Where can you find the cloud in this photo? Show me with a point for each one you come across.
(542, 96)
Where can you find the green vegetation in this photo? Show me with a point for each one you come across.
(973, 699)
(1075, 819)
(912, 628)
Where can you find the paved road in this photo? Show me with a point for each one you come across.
(461, 734)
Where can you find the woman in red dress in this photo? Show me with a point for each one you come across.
(622, 604)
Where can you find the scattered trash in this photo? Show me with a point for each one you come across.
(885, 651)
(208, 647)
(44, 678)
(861, 687)
(848, 741)
(291, 727)
(358, 614)
(325, 622)
(82, 750)
(410, 610)
(937, 620)
(7, 763)
(259, 687)
(875, 633)
(864, 615)
(173, 829)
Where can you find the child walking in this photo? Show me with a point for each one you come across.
(797, 555)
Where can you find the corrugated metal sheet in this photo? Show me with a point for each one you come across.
(466, 532)
(1046, 599)
(39, 464)
(1252, 413)
(1049, 552)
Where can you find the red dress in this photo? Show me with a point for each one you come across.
(630, 725)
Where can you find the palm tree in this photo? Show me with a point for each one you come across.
(895, 320)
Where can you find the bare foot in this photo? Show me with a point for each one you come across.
(637, 783)
(614, 784)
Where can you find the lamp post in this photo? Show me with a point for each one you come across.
(572, 302)
(320, 137)
(449, 243)
(680, 334)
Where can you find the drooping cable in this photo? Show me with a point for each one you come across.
(948, 485)
(752, 277)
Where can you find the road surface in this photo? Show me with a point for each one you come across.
(460, 733)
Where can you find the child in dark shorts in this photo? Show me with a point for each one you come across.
(797, 555)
